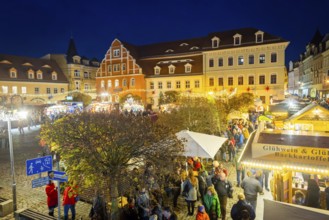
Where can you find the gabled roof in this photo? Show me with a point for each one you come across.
(46, 66)
(309, 108)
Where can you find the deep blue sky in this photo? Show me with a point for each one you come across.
(37, 27)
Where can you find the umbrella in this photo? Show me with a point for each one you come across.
(199, 144)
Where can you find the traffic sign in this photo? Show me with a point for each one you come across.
(40, 182)
(57, 176)
(39, 165)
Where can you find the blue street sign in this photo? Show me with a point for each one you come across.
(57, 176)
(39, 165)
(40, 182)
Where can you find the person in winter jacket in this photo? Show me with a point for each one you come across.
(52, 197)
(202, 215)
(242, 210)
(69, 199)
(212, 204)
(191, 184)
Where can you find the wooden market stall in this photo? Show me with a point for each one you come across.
(294, 155)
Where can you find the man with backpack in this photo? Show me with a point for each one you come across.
(242, 210)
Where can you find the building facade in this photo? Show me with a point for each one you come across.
(80, 71)
(31, 81)
(242, 60)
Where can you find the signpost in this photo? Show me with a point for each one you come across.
(57, 176)
(40, 182)
(39, 165)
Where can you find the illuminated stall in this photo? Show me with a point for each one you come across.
(292, 154)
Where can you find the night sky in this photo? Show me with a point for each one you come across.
(38, 27)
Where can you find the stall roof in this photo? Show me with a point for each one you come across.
(307, 113)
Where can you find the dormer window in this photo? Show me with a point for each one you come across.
(194, 48)
(171, 69)
(157, 70)
(259, 36)
(116, 53)
(54, 76)
(169, 51)
(30, 74)
(188, 68)
(76, 59)
(215, 42)
(39, 75)
(183, 44)
(13, 73)
(237, 39)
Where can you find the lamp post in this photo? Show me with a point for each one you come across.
(12, 167)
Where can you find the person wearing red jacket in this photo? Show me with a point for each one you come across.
(52, 197)
(69, 199)
(202, 215)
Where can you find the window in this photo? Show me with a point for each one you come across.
(116, 83)
(76, 73)
(87, 87)
(62, 90)
(36, 90)
(240, 60)
(220, 61)
(187, 84)
(124, 83)
(86, 75)
(109, 68)
(116, 53)
(157, 70)
(116, 67)
(262, 80)
(132, 82)
(251, 80)
(177, 84)
(168, 85)
(273, 79)
(188, 68)
(123, 67)
(151, 85)
(251, 59)
(109, 84)
(54, 76)
(102, 84)
(240, 80)
(211, 62)
(14, 89)
(24, 90)
(211, 81)
(262, 58)
(215, 42)
(159, 85)
(48, 91)
(259, 36)
(230, 61)
(5, 89)
(171, 69)
(220, 81)
(273, 57)
(197, 84)
(39, 75)
(230, 81)
(31, 75)
(237, 40)
(55, 90)
(13, 74)
(77, 85)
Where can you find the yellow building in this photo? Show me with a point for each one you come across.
(31, 81)
(246, 60)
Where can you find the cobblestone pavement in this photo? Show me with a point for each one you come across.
(26, 147)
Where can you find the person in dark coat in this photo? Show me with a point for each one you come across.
(313, 194)
(99, 209)
(242, 210)
(168, 214)
(52, 197)
(130, 211)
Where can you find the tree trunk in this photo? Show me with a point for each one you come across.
(114, 202)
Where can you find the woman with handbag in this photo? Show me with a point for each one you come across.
(191, 191)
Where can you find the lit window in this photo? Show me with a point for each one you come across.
(273, 57)
(187, 84)
(240, 60)
(159, 85)
(151, 85)
(230, 61)
(55, 90)
(24, 90)
(197, 84)
(230, 81)
(5, 89)
(177, 84)
(132, 81)
(109, 84)
(14, 89)
(168, 85)
(262, 80)
(240, 80)
(273, 79)
(116, 67)
(211, 81)
(102, 84)
(48, 91)
(262, 58)
(116, 83)
(188, 68)
(211, 62)
(171, 69)
(251, 80)
(251, 59)
(116, 53)
(36, 90)
(220, 61)
(220, 81)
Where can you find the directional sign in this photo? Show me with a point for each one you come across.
(40, 182)
(57, 176)
(39, 165)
